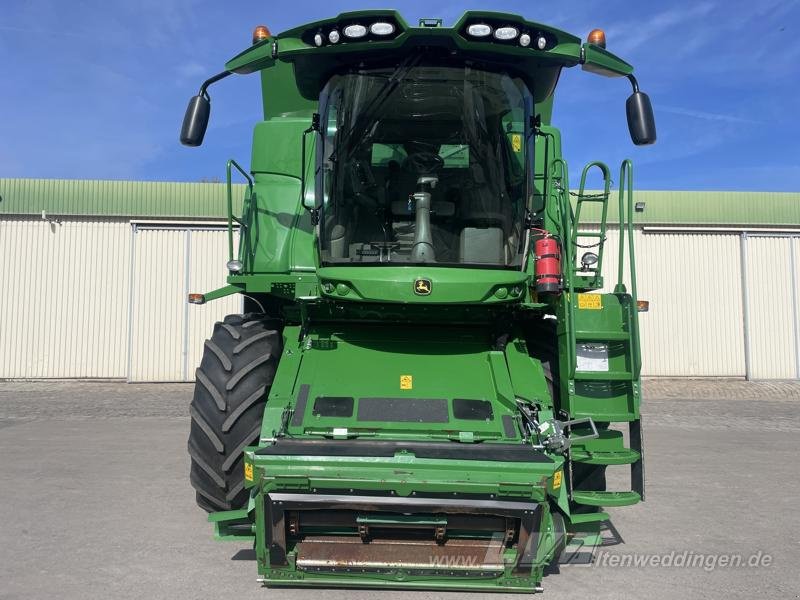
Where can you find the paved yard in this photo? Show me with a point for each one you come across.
(95, 500)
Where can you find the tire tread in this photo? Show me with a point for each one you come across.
(231, 389)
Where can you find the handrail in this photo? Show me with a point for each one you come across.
(568, 222)
(626, 225)
(559, 173)
(231, 218)
(598, 268)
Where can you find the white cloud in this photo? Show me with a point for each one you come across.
(630, 35)
(707, 116)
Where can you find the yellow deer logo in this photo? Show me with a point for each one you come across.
(422, 287)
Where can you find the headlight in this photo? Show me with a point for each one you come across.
(541, 42)
(234, 266)
(318, 39)
(333, 37)
(524, 40)
(506, 33)
(479, 30)
(355, 31)
(381, 28)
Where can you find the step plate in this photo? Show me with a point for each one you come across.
(592, 498)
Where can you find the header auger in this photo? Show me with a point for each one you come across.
(426, 388)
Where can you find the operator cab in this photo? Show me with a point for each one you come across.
(424, 163)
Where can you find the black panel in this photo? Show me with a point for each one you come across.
(508, 426)
(441, 450)
(300, 406)
(275, 528)
(472, 410)
(333, 406)
(403, 410)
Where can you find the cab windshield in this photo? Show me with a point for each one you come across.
(424, 164)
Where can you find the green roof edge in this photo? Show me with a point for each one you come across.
(178, 200)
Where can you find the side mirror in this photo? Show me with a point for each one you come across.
(641, 122)
(308, 197)
(195, 121)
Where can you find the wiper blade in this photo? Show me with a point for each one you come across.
(369, 115)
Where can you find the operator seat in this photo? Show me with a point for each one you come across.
(485, 216)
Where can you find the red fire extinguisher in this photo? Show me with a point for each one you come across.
(548, 265)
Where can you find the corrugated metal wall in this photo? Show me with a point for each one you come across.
(208, 253)
(99, 298)
(772, 282)
(167, 333)
(701, 322)
(693, 282)
(795, 266)
(158, 301)
(64, 297)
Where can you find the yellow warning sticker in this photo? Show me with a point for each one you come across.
(590, 301)
(248, 471)
(516, 142)
(557, 479)
(406, 382)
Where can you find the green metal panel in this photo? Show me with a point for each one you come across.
(397, 283)
(373, 361)
(393, 354)
(277, 146)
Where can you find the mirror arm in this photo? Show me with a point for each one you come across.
(634, 83)
(195, 119)
(211, 80)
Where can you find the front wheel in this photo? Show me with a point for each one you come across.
(231, 389)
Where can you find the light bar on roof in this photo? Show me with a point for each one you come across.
(499, 32)
(355, 31)
(382, 29)
(506, 33)
(479, 30)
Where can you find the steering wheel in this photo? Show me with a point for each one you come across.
(424, 162)
(363, 183)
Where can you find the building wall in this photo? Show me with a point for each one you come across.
(723, 303)
(168, 333)
(99, 297)
(695, 325)
(772, 297)
(64, 297)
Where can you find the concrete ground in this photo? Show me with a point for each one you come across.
(95, 501)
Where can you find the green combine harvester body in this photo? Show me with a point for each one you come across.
(425, 389)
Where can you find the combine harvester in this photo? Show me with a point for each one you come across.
(421, 389)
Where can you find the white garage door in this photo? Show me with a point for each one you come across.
(693, 282)
(772, 294)
(167, 334)
(695, 324)
(63, 297)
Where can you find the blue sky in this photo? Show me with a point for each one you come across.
(97, 89)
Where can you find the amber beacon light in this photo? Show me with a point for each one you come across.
(260, 33)
(597, 37)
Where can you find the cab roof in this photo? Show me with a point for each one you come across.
(315, 57)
